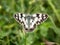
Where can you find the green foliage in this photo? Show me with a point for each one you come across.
(11, 33)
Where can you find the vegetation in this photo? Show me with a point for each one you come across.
(11, 33)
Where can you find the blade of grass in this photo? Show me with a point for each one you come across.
(22, 6)
(54, 9)
(56, 29)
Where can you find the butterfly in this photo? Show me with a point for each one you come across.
(30, 21)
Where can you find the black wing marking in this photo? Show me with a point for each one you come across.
(39, 18)
(19, 17)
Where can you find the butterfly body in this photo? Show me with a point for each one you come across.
(30, 21)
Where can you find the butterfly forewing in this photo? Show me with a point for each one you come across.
(41, 18)
(30, 21)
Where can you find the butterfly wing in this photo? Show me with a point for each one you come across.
(39, 18)
(19, 17)
(23, 19)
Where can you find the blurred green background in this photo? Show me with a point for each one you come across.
(11, 33)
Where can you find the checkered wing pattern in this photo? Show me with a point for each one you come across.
(30, 21)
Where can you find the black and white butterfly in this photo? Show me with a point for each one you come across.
(30, 21)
